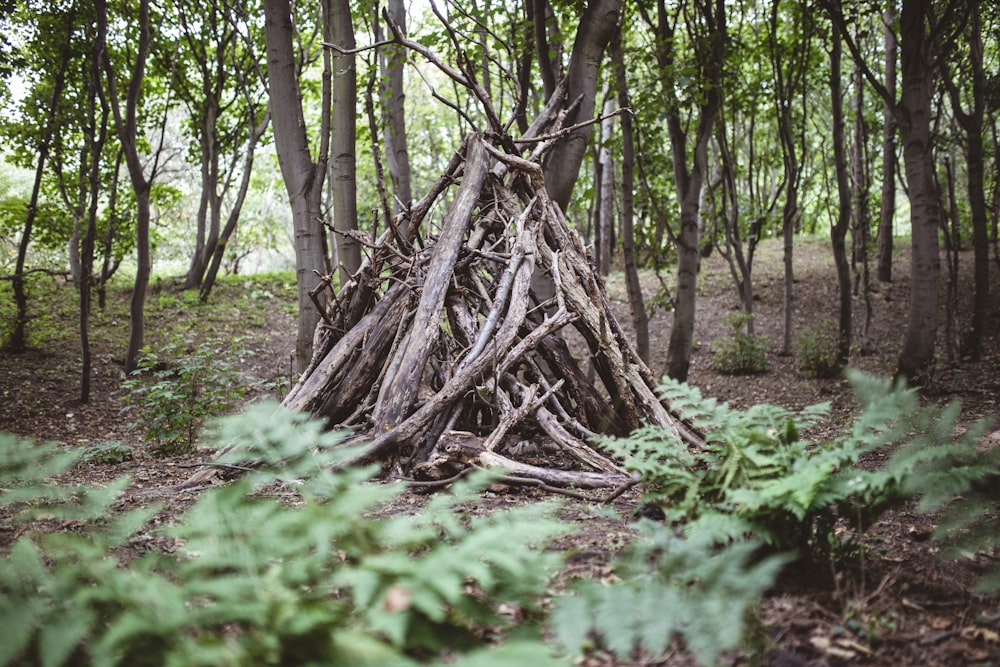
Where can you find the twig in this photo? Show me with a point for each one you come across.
(211, 464)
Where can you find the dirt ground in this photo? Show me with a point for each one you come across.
(899, 605)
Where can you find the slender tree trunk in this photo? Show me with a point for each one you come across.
(606, 195)
(343, 126)
(219, 254)
(838, 233)
(917, 353)
(109, 237)
(597, 25)
(952, 236)
(888, 209)
(688, 180)
(640, 318)
(127, 127)
(861, 220)
(17, 341)
(303, 178)
(394, 97)
(972, 121)
(209, 183)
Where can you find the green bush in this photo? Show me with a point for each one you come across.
(757, 475)
(741, 353)
(108, 452)
(173, 391)
(817, 352)
(258, 581)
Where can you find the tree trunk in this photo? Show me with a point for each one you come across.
(917, 353)
(254, 134)
(640, 318)
(396, 148)
(128, 133)
(838, 233)
(688, 181)
(343, 125)
(17, 340)
(860, 233)
(972, 121)
(303, 178)
(597, 26)
(606, 194)
(888, 208)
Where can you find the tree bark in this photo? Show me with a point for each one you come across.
(597, 25)
(17, 340)
(838, 233)
(888, 206)
(128, 133)
(394, 98)
(344, 129)
(711, 19)
(303, 178)
(640, 318)
(917, 353)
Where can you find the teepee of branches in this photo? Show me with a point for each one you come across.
(447, 349)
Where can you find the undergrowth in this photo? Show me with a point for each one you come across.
(257, 581)
(757, 475)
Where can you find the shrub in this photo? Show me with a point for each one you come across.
(757, 475)
(257, 581)
(817, 352)
(109, 452)
(173, 391)
(741, 353)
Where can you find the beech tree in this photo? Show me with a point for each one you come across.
(303, 175)
(919, 41)
(706, 27)
(126, 121)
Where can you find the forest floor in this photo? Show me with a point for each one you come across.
(897, 605)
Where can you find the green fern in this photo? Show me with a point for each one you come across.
(756, 474)
(669, 589)
(257, 580)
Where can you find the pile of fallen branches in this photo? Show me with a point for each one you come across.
(446, 349)
(443, 355)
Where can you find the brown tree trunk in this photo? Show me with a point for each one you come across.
(711, 27)
(303, 178)
(917, 354)
(597, 25)
(838, 233)
(396, 148)
(640, 318)
(888, 206)
(343, 132)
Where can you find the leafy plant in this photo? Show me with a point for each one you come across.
(742, 353)
(756, 475)
(260, 581)
(173, 391)
(816, 350)
(668, 588)
(962, 481)
(114, 451)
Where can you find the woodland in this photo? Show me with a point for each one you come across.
(710, 273)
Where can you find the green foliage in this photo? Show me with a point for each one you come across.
(114, 451)
(742, 353)
(816, 351)
(669, 588)
(757, 475)
(259, 581)
(962, 481)
(174, 390)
